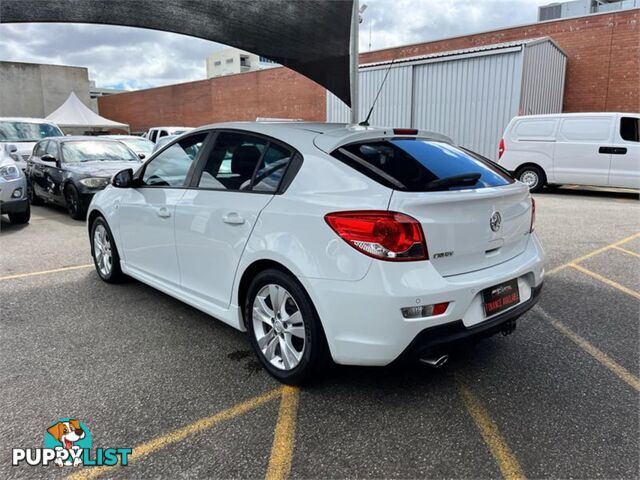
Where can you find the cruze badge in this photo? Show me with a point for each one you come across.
(495, 221)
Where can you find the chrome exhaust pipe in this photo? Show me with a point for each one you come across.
(435, 362)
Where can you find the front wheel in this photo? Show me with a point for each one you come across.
(76, 209)
(105, 254)
(533, 177)
(284, 328)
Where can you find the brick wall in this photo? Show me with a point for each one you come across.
(603, 74)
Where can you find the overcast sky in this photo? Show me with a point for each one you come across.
(134, 58)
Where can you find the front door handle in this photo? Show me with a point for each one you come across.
(233, 218)
(613, 150)
(163, 212)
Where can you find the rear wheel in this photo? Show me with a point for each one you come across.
(284, 328)
(76, 209)
(105, 254)
(533, 177)
(20, 218)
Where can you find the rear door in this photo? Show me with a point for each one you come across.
(582, 153)
(235, 180)
(468, 226)
(625, 153)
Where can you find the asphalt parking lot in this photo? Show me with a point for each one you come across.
(557, 399)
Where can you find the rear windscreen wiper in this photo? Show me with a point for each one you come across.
(462, 180)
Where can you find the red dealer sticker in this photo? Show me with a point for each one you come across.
(500, 297)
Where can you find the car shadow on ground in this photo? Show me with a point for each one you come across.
(579, 191)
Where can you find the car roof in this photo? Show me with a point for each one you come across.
(326, 136)
(577, 114)
(121, 137)
(26, 120)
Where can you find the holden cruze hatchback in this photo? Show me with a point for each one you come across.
(326, 241)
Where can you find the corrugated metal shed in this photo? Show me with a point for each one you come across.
(469, 95)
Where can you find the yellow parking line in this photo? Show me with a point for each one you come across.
(628, 252)
(594, 253)
(600, 356)
(180, 434)
(284, 436)
(45, 272)
(503, 455)
(607, 281)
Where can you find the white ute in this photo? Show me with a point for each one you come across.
(326, 241)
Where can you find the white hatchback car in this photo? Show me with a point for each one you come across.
(326, 241)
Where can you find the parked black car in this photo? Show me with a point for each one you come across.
(68, 171)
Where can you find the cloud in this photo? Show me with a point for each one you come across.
(133, 58)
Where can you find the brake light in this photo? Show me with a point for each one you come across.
(501, 148)
(405, 131)
(533, 215)
(383, 235)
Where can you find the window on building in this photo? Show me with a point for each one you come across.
(229, 60)
(217, 63)
(630, 129)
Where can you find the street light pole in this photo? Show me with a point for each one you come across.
(353, 58)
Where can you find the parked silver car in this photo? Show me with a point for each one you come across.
(13, 190)
(19, 135)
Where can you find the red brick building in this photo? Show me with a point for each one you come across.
(603, 74)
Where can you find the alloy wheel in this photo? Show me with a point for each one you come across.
(278, 327)
(102, 250)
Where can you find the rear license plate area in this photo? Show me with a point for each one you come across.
(500, 297)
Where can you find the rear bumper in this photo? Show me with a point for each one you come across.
(451, 336)
(363, 322)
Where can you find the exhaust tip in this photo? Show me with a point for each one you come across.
(435, 362)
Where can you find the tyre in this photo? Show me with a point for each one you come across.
(533, 177)
(76, 209)
(284, 328)
(20, 218)
(33, 198)
(104, 252)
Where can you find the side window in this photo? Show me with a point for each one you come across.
(171, 167)
(630, 129)
(232, 161)
(52, 149)
(163, 133)
(39, 149)
(271, 169)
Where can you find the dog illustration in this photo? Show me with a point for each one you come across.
(67, 433)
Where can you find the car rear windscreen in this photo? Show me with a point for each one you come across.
(418, 165)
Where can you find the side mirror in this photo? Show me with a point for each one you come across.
(123, 179)
(12, 148)
(142, 156)
(48, 158)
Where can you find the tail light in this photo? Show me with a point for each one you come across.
(533, 215)
(405, 131)
(501, 148)
(383, 235)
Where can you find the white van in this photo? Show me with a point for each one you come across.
(157, 132)
(600, 149)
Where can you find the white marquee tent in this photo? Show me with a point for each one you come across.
(75, 114)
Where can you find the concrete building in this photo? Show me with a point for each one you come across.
(578, 8)
(35, 90)
(230, 61)
(602, 74)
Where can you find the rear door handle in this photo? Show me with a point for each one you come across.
(613, 150)
(233, 218)
(163, 212)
